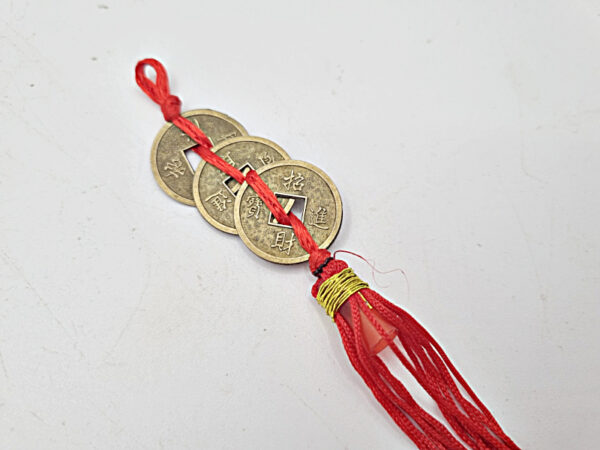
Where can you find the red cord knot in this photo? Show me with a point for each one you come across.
(318, 258)
(321, 260)
(171, 107)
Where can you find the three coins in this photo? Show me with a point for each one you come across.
(236, 209)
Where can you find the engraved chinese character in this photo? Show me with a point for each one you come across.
(174, 168)
(227, 136)
(254, 207)
(229, 159)
(266, 158)
(294, 181)
(318, 218)
(282, 244)
(219, 200)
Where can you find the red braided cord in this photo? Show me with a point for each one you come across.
(170, 106)
(433, 384)
(419, 415)
(422, 428)
(430, 366)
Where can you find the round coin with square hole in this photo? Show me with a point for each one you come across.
(300, 187)
(170, 166)
(215, 192)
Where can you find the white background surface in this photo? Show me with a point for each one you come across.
(463, 137)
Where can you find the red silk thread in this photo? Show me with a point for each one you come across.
(420, 354)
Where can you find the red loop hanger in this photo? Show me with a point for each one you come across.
(158, 91)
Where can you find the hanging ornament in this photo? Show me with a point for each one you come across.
(287, 212)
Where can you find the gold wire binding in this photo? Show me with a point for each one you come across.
(337, 289)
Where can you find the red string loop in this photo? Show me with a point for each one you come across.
(158, 91)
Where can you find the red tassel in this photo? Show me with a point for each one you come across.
(368, 323)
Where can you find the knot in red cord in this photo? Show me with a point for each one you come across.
(317, 258)
(171, 107)
(158, 91)
(322, 260)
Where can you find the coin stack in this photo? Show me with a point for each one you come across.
(235, 208)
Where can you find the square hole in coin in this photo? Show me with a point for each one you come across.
(289, 202)
(193, 158)
(232, 185)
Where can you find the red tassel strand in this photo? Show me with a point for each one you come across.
(367, 322)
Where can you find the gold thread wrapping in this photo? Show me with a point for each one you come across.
(337, 289)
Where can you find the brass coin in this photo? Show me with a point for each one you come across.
(170, 166)
(215, 191)
(316, 201)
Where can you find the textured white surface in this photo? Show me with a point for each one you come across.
(127, 322)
